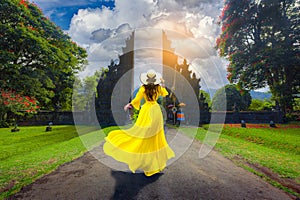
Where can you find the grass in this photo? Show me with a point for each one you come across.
(277, 149)
(32, 152)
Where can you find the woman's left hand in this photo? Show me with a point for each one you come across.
(127, 106)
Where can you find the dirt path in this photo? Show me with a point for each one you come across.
(213, 177)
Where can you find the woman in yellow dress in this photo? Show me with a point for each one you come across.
(143, 146)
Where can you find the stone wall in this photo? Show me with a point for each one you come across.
(67, 118)
(258, 117)
(45, 117)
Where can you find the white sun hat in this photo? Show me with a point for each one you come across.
(150, 77)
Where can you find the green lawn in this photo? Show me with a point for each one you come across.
(277, 149)
(30, 153)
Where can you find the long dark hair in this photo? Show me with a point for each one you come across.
(151, 91)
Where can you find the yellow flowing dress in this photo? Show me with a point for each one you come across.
(143, 146)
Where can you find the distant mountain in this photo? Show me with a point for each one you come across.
(254, 94)
(260, 95)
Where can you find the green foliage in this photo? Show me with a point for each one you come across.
(135, 114)
(78, 99)
(206, 96)
(85, 91)
(296, 105)
(37, 58)
(230, 98)
(257, 105)
(261, 41)
(4, 124)
(11, 102)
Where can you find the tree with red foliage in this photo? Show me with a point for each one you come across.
(261, 41)
(37, 58)
(10, 101)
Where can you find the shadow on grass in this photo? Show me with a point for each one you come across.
(128, 184)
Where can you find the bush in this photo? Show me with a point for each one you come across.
(4, 124)
(289, 117)
(230, 98)
(257, 105)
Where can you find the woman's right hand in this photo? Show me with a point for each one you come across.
(162, 81)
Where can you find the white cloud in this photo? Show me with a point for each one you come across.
(103, 34)
(192, 49)
(211, 71)
(134, 12)
(190, 24)
(87, 21)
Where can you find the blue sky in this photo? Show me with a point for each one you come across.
(62, 12)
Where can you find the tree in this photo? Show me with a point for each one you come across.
(245, 99)
(37, 58)
(235, 99)
(10, 101)
(206, 97)
(258, 105)
(85, 91)
(78, 99)
(261, 41)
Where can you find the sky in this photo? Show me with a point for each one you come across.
(102, 26)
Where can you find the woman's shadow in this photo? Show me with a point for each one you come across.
(128, 184)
